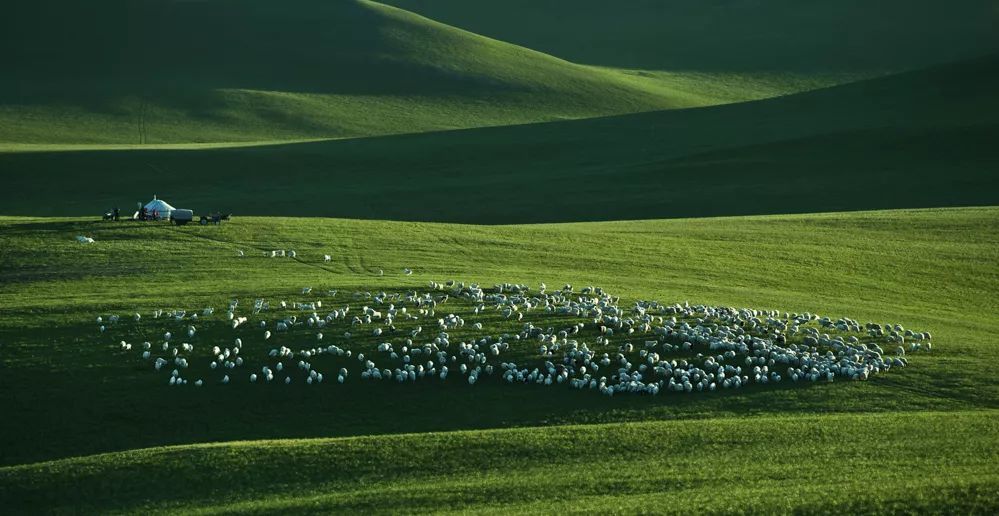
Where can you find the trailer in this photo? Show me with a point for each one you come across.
(214, 218)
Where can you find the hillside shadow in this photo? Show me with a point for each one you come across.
(42, 227)
(178, 54)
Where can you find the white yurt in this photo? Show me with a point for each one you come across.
(159, 207)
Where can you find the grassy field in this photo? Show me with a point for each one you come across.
(160, 71)
(781, 155)
(927, 269)
(804, 464)
(236, 71)
(800, 37)
(156, 71)
(882, 143)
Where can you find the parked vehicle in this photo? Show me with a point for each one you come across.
(214, 218)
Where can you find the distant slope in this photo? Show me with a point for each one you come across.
(162, 71)
(777, 36)
(917, 139)
(934, 462)
(166, 71)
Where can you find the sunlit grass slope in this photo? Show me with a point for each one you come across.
(891, 142)
(870, 463)
(160, 71)
(787, 37)
(73, 393)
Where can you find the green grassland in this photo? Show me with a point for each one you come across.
(831, 157)
(871, 463)
(156, 71)
(161, 71)
(880, 143)
(748, 36)
(73, 394)
(177, 72)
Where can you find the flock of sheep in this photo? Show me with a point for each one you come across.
(509, 333)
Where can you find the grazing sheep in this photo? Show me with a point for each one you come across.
(742, 346)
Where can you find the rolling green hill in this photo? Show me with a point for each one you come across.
(161, 71)
(164, 71)
(167, 71)
(74, 394)
(663, 468)
(776, 36)
(594, 143)
(881, 143)
(928, 269)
